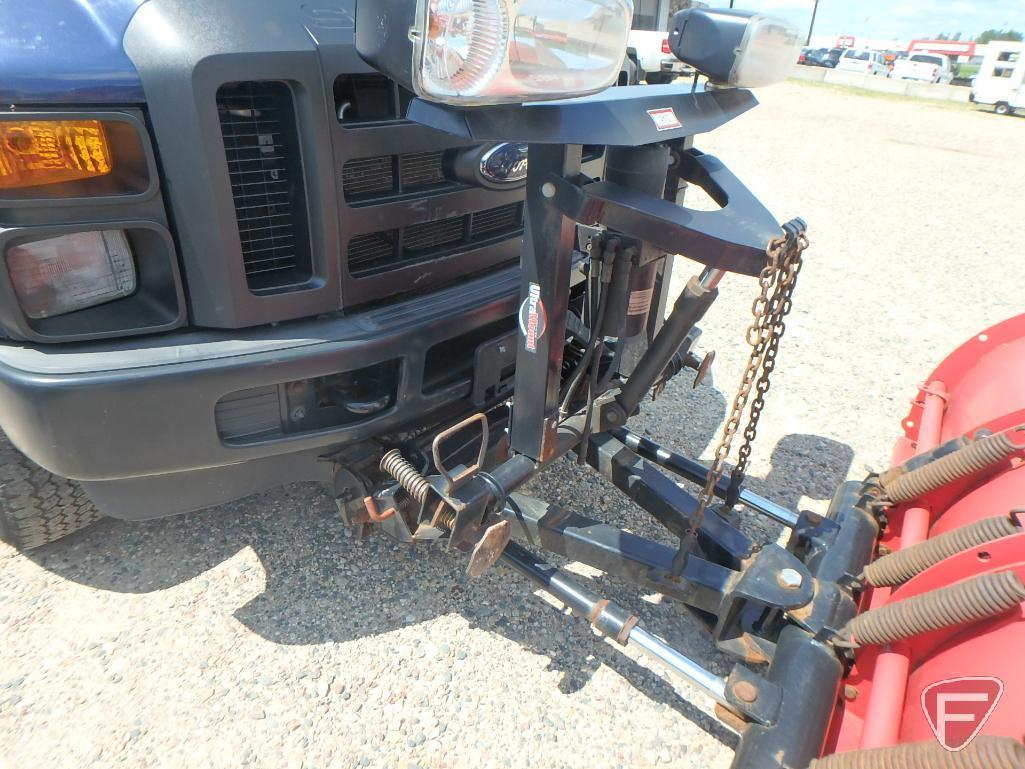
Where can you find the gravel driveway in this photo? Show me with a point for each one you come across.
(260, 634)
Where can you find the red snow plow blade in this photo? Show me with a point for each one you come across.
(937, 677)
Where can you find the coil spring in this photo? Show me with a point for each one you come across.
(407, 476)
(901, 566)
(963, 603)
(976, 456)
(984, 752)
(446, 517)
(415, 484)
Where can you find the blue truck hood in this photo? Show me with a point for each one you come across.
(67, 52)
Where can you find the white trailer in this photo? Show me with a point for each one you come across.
(1001, 80)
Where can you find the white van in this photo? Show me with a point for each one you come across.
(864, 62)
(1001, 79)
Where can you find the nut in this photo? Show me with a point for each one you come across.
(791, 579)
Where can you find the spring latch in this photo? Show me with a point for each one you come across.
(416, 485)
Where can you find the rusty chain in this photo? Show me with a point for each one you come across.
(777, 282)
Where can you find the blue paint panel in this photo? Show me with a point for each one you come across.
(66, 52)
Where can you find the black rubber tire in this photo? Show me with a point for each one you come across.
(38, 507)
(1003, 108)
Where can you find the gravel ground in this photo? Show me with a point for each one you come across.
(260, 634)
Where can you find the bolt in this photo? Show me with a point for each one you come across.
(745, 691)
(548, 190)
(791, 579)
(850, 693)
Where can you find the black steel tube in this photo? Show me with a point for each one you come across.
(520, 468)
(695, 472)
(853, 546)
(622, 554)
(808, 672)
(690, 308)
(611, 619)
(640, 168)
(618, 293)
(663, 498)
(578, 598)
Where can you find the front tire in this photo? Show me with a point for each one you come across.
(36, 506)
(1003, 108)
(659, 78)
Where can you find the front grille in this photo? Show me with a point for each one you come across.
(421, 170)
(369, 100)
(261, 147)
(391, 176)
(368, 178)
(432, 235)
(403, 247)
(497, 220)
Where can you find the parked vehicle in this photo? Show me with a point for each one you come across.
(650, 42)
(1001, 78)
(928, 67)
(802, 57)
(863, 61)
(825, 57)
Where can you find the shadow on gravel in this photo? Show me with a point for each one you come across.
(322, 586)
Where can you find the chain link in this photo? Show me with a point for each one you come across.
(777, 282)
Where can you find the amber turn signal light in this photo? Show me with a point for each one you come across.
(38, 152)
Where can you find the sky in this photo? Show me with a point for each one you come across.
(900, 19)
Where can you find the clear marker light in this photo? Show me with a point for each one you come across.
(492, 51)
(71, 272)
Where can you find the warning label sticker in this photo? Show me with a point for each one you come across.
(665, 119)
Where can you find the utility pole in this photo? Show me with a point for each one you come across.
(811, 27)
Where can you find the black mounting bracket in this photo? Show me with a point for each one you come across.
(733, 238)
(629, 116)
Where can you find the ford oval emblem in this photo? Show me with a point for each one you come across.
(504, 164)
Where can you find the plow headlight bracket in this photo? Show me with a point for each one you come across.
(472, 52)
(737, 48)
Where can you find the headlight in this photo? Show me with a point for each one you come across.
(736, 48)
(496, 51)
(71, 272)
(34, 152)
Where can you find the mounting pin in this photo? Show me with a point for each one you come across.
(745, 691)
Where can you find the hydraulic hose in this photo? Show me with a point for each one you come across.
(609, 269)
